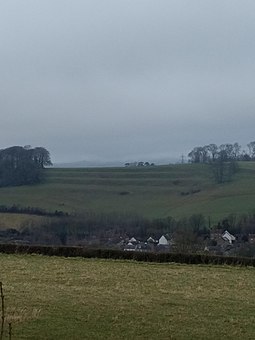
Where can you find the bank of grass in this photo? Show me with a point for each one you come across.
(17, 221)
(175, 190)
(64, 298)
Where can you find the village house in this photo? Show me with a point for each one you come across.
(228, 237)
(163, 241)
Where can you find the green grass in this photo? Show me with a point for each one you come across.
(18, 221)
(64, 298)
(152, 192)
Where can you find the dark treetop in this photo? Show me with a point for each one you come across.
(23, 165)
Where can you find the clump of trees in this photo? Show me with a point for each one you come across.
(23, 165)
(139, 164)
(224, 152)
(223, 159)
(239, 224)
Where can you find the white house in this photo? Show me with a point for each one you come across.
(228, 237)
(163, 241)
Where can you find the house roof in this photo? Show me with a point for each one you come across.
(227, 236)
(151, 239)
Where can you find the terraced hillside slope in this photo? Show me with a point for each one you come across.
(159, 191)
(74, 298)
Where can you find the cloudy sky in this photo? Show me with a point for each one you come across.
(126, 79)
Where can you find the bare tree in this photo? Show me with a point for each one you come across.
(251, 147)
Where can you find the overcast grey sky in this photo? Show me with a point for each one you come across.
(126, 79)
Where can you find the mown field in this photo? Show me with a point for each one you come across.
(150, 192)
(74, 298)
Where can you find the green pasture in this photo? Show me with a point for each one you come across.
(74, 298)
(18, 221)
(151, 192)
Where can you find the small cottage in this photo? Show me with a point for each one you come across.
(228, 237)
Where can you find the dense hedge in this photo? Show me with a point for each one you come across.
(125, 255)
(15, 209)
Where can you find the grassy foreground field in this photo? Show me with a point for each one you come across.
(64, 298)
(151, 192)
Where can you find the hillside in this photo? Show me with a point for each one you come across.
(174, 190)
(73, 298)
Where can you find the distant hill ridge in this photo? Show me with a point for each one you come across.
(103, 163)
(85, 164)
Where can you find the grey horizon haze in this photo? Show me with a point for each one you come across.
(126, 80)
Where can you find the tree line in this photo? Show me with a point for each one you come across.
(190, 234)
(224, 152)
(97, 229)
(223, 158)
(23, 165)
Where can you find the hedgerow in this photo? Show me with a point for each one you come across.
(126, 255)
